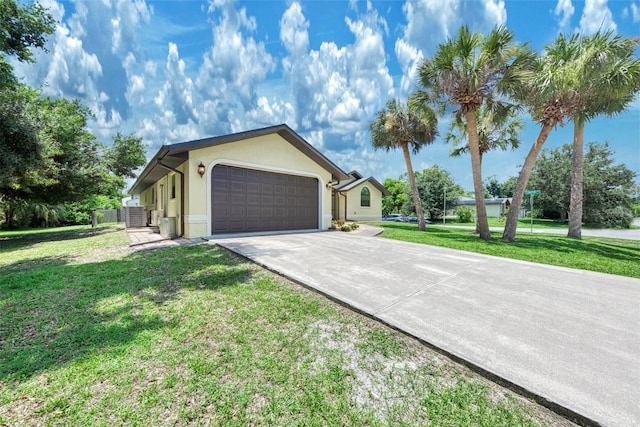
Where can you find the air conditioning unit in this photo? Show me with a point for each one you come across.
(155, 216)
(168, 227)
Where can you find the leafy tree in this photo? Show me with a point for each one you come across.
(125, 155)
(21, 29)
(466, 73)
(79, 167)
(397, 126)
(608, 187)
(432, 184)
(495, 188)
(552, 176)
(67, 166)
(399, 195)
(607, 78)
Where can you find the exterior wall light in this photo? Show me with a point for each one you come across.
(201, 169)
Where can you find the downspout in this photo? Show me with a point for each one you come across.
(345, 204)
(159, 162)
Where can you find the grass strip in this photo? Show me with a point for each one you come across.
(93, 333)
(601, 254)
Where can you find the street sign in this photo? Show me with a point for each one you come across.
(531, 193)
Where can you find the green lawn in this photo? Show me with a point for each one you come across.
(499, 222)
(613, 256)
(92, 333)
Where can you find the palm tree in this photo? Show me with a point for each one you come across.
(544, 91)
(465, 73)
(570, 81)
(498, 129)
(607, 78)
(397, 126)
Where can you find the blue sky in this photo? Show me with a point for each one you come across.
(172, 71)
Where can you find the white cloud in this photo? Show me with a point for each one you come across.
(633, 10)
(336, 87)
(495, 11)
(564, 12)
(293, 30)
(178, 93)
(71, 69)
(596, 16)
(409, 58)
(430, 22)
(268, 113)
(235, 64)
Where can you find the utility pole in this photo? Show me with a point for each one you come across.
(444, 210)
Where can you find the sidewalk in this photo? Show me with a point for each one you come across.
(144, 238)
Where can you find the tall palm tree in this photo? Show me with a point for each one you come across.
(498, 129)
(544, 91)
(397, 126)
(570, 81)
(607, 78)
(465, 73)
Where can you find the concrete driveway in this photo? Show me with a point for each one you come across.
(569, 336)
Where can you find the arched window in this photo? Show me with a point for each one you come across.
(365, 197)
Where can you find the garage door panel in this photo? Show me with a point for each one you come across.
(251, 200)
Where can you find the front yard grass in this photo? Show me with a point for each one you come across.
(92, 333)
(604, 255)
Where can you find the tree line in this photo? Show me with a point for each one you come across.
(52, 169)
(611, 198)
(485, 81)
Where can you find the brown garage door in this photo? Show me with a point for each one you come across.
(252, 200)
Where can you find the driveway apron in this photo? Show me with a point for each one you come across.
(569, 336)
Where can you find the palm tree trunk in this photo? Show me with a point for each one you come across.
(414, 187)
(482, 225)
(575, 205)
(510, 227)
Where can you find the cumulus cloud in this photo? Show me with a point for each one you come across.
(337, 87)
(293, 30)
(596, 16)
(89, 58)
(632, 11)
(178, 93)
(431, 22)
(564, 12)
(235, 63)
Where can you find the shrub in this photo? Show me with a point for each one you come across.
(465, 214)
(354, 226)
(345, 227)
(618, 217)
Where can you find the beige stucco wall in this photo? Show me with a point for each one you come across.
(270, 153)
(157, 198)
(354, 211)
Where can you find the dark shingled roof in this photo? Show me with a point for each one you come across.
(174, 155)
(359, 180)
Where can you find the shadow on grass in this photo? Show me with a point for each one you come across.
(55, 313)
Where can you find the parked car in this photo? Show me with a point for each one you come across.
(395, 218)
(415, 219)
